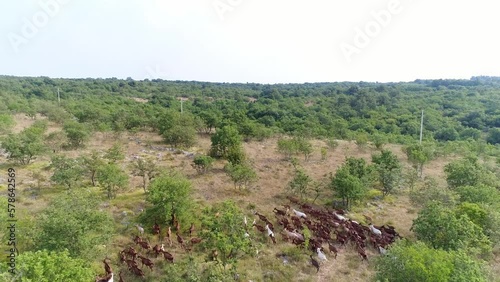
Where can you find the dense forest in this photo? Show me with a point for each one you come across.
(101, 161)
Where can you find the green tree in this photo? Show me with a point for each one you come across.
(67, 171)
(180, 135)
(347, 186)
(474, 212)
(300, 183)
(224, 141)
(92, 163)
(304, 147)
(56, 140)
(379, 140)
(442, 228)
(26, 145)
(223, 230)
(145, 168)
(112, 179)
(287, 147)
(324, 153)
(115, 153)
(480, 194)
(76, 132)
(168, 194)
(72, 221)
(241, 174)
(203, 163)
(494, 136)
(431, 192)
(389, 170)
(467, 172)
(6, 123)
(45, 266)
(415, 262)
(418, 155)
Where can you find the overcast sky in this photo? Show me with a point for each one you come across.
(266, 41)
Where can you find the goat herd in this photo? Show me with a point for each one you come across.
(325, 226)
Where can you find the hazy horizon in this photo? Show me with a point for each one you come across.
(238, 41)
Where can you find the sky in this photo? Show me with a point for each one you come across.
(262, 41)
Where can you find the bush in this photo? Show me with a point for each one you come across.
(408, 262)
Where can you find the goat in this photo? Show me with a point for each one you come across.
(137, 271)
(362, 253)
(168, 236)
(147, 262)
(180, 240)
(107, 278)
(261, 217)
(157, 249)
(131, 263)
(137, 239)
(168, 256)
(107, 268)
(121, 278)
(132, 252)
(122, 257)
(332, 249)
(375, 230)
(270, 233)
(177, 226)
(214, 255)
(339, 217)
(145, 245)
(321, 255)
(195, 240)
(293, 235)
(315, 263)
(259, 227)
(140, 229)
(156, 229)
(299, 213)
(191, 229)
(279, 212)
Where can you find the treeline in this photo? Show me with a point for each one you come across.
(455, 110)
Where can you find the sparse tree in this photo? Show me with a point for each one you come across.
(92, 163)
(241, 174)
(146, 168)
(56, 140)
(112, 179)
(222, 230)
(168, 194)
(45, 266)
(441, 227)
(389, 171)
(67, 171)
(203, 163)
(26, 145)
(347, 186)
(224, 141)
(418, 155)
(300, 183)
(72, 221)
(77, 133)
(115, 153)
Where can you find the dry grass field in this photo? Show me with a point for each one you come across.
(268, 192)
